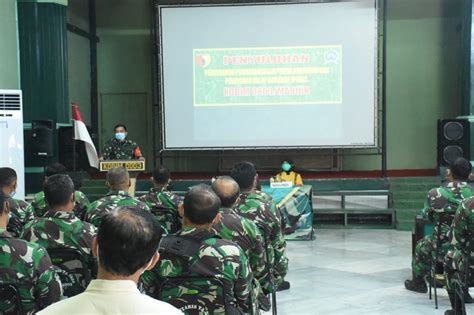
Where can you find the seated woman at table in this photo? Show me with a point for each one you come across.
(288, 174)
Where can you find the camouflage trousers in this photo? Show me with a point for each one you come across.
(279, 267)
(454, 270)
(424, 254)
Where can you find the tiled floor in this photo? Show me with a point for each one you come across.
(354, 272)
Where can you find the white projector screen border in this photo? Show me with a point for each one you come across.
(377, 107)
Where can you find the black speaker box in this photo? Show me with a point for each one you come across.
(42, 138)
(453, 140)
(66, 151)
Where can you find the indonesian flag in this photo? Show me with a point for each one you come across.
(81, 133)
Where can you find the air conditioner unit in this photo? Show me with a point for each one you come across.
(11, 136)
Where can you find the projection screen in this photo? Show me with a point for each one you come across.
(293, 75)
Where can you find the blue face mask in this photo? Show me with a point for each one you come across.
(286, 166)
(13, 194)
(120, 136)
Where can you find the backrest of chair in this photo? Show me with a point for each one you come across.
(10, 300)
(71, 268)
(168, 217)
(194, 295)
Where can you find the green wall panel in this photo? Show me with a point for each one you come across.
(9, 63)
(43, 59)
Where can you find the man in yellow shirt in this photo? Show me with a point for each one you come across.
(288, 174)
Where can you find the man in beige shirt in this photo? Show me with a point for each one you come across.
(126, 245)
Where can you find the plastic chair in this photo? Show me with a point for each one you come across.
(270, 272)
(436, 257)
(72, 269)
(10, 296)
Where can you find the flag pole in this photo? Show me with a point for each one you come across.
(73, 142)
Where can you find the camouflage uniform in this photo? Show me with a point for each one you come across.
(245, 233)
(163, 198)
(28, 267)
(62, 229)
(259, 209)
(20, 213)
(463, 236)
(273, 207)
(441, 204)
(216, 258)
(39, 206)
(271, 204)
(96, 210)
(120, 150)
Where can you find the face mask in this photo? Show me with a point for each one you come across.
(286, 167)
(120, 136)
(13, 193)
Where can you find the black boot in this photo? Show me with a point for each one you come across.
(416, 285)
(452, 299)
(285, 285)
(264, 302)
(452, 312)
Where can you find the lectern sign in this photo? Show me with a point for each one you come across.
(130, 165)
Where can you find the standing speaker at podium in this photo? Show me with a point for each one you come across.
(120, 147)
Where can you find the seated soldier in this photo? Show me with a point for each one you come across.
(28, 267)
(440, 206)
(39, 206)
(288, 174)
(20, 213)
(256, 207)
(59, 227)
(126, 246)
(214, 257)
(118, 182)
(455, 260)
(242, 231)
(160, 196)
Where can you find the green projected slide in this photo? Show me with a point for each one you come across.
(267, 76)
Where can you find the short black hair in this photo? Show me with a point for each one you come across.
(3, 200)
(244, 174)
(227, 190)
(161, 175)
(201, 204)
(55, 168)
(58, 190)
(7, 176)
(120, 125)
(118, 176)
(128, 237)
(461, 169)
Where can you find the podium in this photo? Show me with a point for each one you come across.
(134, 167)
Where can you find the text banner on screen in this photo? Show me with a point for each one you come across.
(302, 75)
